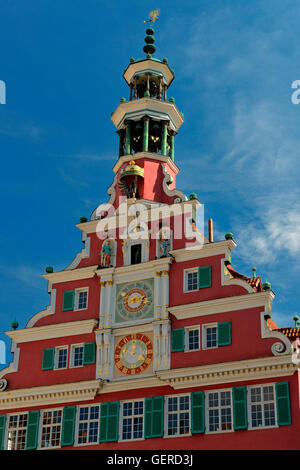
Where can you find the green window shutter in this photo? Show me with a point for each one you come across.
(283, 403)
(197, 413)
(2, 431)
(239, 398)
(48, 358)
(89, 353)
(154, 417)
(148, 418)
(224, 334)
(177, 340)
(204, 277)
(68, 425)
(32, 429)
(109, 421)
(68, 300)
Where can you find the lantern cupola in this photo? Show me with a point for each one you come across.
(147, 122)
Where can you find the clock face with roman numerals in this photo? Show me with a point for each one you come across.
(133, 354)
(134, 300)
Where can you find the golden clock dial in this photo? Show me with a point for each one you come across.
(133, 354)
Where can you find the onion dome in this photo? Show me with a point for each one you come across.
(132, 169)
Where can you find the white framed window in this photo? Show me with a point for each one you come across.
(132, 420)
(219, 411)
(76, 356)
(87, 425)
(81, 299)
(16, 431)
(192, 338)
(190, 280)
(61, 357)
(178, 416)
(51, 421)
(262, 406)
(210, 336)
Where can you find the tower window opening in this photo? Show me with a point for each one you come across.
(136, 254)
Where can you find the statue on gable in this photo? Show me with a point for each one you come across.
(164, 242)
(106, 253)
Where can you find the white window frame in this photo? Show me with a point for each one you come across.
(187, 329)
(204, 335)
(72, 354)
(76, 299)
(121, 417)
(78, 421)
(185, 279)
(51, 425)
(249, 407)
(166, 414)
(56, 357)
(220, 431)
(18, 429)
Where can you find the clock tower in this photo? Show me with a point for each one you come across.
(134, 334)
(151, 339)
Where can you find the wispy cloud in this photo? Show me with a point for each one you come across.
(70, 179)
(29, 276)
(26, 129)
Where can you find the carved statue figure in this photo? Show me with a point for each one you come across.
(106, 252)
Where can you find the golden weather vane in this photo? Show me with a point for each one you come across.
(153, 16)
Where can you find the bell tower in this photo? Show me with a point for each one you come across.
(147, 122)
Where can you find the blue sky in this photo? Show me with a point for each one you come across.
(62, 62)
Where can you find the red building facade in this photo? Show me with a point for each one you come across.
(151, 340)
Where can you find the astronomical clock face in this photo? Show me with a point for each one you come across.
(133, 354)
(134, 301)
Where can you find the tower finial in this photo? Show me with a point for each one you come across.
(149, 48)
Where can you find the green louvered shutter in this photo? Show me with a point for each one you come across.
(48, 358)
(2, 431)
(177, 340)
(204, 277)
(109, 421)
(32, 429)
(283, 403)
(154, 417)
(239, 398)
(68, 425)
(68, 300)
(224, 334)
(89, 353)
(197, 413)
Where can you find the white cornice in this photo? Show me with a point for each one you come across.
(136, 109)
(49, 395)
(147, 65)
(204, 251)
(136, 271)
(71, 275)
(227, 372)
(152, 156)
(38, 333)
(225, 304)
(198, 376)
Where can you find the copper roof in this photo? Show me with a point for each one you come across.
(254, 282)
